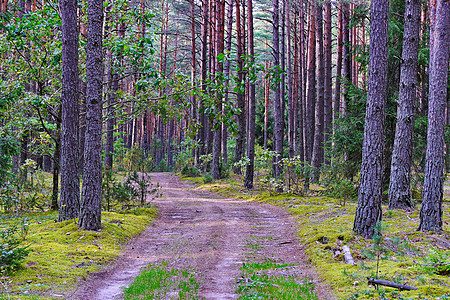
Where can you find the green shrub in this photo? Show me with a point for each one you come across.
(190, 171)
(11, 252)
(208, 178)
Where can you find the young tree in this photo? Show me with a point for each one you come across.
(433, 188)
(399, 187)
(90, 213)
(368, 211)
(69, 207)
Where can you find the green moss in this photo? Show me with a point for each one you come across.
(62, 253)
(325, 226)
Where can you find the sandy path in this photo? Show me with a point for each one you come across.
(206, 232)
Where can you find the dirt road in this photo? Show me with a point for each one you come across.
(208, 233)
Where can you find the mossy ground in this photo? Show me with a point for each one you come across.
(325, 225)
(62, 253)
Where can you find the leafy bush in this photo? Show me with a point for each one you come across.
(437, 262)
(208, 178)
(190, 171)
(11, 252)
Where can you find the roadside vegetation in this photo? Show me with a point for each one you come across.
(43, 258)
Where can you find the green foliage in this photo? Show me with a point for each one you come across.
(135, 188)
(8, 148)
(12, 253)
(161, 282)
(208, 178)
(143, 186)
(135, 159)
(437, 262)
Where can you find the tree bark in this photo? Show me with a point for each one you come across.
(399, 187)
(70, 181)
(337, 89)
(217, 151)
(252, 103)
(240, 97)
(278, 123)
(433, 188)
(328, 83)
(317, 155)
(226, 73)
(311, 98)
(90, 213)
(346, 54)
(368, 211)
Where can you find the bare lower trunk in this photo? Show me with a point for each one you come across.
(368, 211)
(433, 188)
(70, 180)
(90, 211)
(399, 187)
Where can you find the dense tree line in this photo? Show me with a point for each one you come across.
(349, 89)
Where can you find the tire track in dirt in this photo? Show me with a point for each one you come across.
(200, 230)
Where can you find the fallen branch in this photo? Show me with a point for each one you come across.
(399, 286)
(348, 255)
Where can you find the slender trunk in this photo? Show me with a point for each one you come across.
(317, 155)
(346, 54)
(328, 83)
(291, 106)
(220, 39)
(240, 138)
(252, 103)
(204, 71)
(311, 100)
(278, 123)
(226, 73)
(337, 89)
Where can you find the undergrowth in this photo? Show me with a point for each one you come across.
(61, 253)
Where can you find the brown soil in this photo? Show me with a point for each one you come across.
(203, 231)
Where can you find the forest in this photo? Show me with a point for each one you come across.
(299, 99)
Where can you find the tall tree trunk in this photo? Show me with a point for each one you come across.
(328, 83)
(278, 122)
(291, 106)
(337, 89)
(217, 151)
(311, 100)
(317, 155)
(193, 70)
(90, 213)
(204, 72)
(252, 103)
(70, 181)
(433, 188)
(240, 138)
(301, 91)
(226, 73)
(368, 211)
(346, 54)
(399, 187)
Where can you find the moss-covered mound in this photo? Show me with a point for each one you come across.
(62, 253)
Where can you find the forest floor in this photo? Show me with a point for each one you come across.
(210, 235)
